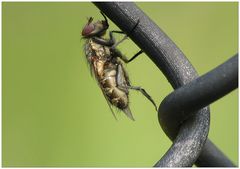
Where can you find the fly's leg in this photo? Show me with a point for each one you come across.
(116, 44)
(135, 56)
(124, 58)
(123, 85)
(117, 53)
(109, 42)
(121, 32)
(105, 42)
(105, 18)
(143, 91)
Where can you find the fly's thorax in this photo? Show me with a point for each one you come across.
(99, 68)
(102, 52)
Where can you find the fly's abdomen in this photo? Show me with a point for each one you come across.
(119, 98)
(115, 95)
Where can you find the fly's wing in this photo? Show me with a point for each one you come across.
(91, 67)
(89, 57)
(127, 111)
(127, 80)
(109, 104)
(123, 81)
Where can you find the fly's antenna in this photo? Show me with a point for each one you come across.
(90, 20)
(105, 18)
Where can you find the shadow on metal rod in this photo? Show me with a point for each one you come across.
(188, 139)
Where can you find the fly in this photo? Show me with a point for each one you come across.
(106, 65)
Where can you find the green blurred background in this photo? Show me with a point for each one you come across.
(54, 114)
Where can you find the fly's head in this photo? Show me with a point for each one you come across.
(92, 29)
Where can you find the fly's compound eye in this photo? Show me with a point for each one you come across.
(89, 28)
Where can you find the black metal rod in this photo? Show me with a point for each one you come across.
(178, 70)
(181, 103)
(201, 92)
(211, 156)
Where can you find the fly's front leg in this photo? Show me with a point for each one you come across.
(109, 42)
(116, 44)
(105, 18)
(105, 42)
(116, 52)
(121, 32)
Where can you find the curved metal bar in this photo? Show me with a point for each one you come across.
(181, 103)
(190, 138)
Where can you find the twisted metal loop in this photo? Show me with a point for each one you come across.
(181, 105)
(190, 129)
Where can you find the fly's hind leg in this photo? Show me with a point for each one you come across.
(123, 84)
(144, 93)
